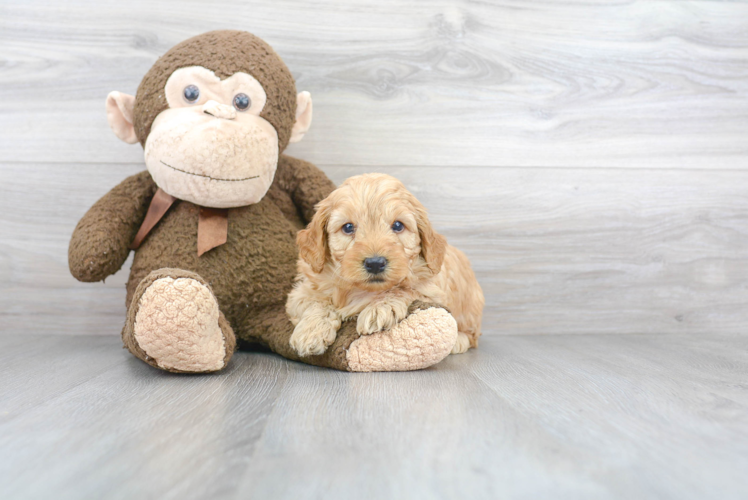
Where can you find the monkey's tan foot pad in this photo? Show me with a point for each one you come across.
(177, 326)
(422, 339)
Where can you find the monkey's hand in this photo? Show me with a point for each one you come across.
(101, 241)
(382, 315)
(315, 331)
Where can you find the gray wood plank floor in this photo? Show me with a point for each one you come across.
(547, 416)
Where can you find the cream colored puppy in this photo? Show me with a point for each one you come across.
(371, 251)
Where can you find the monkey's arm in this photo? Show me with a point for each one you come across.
(101, 241)
(306, 184)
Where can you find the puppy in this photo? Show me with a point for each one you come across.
(371, 251)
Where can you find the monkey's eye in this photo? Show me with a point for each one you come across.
(191, 93)
(242, 102)
(398, 226)
(348, 228)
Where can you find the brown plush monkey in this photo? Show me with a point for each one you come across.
(213, 220)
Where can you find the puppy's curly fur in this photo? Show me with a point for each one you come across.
(373, 216)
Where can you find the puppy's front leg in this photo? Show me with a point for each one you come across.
(382, 314)
(316, 329)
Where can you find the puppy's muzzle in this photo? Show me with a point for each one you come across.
(375, 265)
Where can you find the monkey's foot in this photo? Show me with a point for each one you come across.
(422, 339)
(174, 324)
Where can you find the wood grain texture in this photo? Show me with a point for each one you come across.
(503, 83)
(577, 417)
(590, 159)
(556, 250)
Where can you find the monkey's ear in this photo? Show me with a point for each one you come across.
(119, 112)
(303, 116)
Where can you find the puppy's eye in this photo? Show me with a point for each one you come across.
(348, 228)
(398, 226)
(191, 93)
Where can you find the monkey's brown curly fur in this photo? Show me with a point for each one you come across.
(250, 275)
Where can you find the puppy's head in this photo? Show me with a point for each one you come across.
(373, 233)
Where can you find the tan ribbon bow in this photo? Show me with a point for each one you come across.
(212, 224)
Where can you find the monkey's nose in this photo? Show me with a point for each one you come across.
(375, 265)
(219, 110)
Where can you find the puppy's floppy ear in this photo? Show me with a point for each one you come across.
(433, 244)
(312, 241)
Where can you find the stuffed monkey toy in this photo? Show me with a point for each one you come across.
(213, 220)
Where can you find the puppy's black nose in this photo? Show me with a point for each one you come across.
(375, 265)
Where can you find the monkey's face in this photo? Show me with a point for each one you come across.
(211, 147)
(213, 137)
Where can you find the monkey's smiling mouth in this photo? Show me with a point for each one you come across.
(207, 176)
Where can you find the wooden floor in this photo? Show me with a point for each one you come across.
(547, 416)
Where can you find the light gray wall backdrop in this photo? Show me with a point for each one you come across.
(590, 158)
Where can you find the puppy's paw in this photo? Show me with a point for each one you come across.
(381, 316)
(313, 335)
(462, 344)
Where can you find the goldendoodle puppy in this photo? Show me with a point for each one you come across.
(371, 251)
